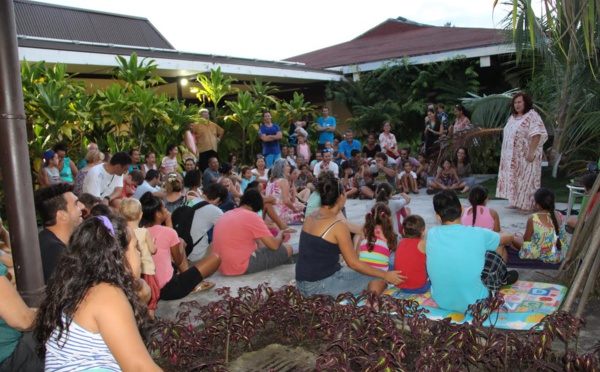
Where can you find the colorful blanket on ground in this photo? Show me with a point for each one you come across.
(526, 304)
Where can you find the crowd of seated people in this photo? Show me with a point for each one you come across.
(161, 227)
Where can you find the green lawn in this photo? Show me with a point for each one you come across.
(558, 184)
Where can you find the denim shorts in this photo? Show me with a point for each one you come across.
(342, 281)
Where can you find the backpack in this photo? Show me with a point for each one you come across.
(182, 219)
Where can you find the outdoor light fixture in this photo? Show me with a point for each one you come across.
(183, 82)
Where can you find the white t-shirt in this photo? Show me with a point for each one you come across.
(142, 189)
(331, 166)
(204, 219)
(100, 183)
(412, 173)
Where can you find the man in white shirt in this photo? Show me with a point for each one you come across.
(106, 180)
(149, 184)
(326, 164)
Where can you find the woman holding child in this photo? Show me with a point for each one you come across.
(520, 170)
(323, 239)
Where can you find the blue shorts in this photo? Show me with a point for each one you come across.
(270, 159)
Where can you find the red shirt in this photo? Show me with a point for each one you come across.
(411, 261)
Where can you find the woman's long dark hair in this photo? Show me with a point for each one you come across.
(151, 205)
(544, 197)
(94, 255)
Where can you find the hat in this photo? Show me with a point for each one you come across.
(48, 155)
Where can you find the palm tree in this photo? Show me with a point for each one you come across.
(560, 47)
(215, 88)
(247, 113)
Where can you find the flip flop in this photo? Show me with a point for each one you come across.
(204, 286)
(290, 230)
(511, 207)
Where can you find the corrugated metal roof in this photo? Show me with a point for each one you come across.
(65, 23)
(392, 40)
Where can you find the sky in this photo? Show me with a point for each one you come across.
(275, 30)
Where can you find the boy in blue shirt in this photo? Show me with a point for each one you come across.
(464, 263)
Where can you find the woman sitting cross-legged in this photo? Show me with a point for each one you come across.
(91, 314)
(323, 239)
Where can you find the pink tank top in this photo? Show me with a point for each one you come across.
(483, 219)
(302, 149)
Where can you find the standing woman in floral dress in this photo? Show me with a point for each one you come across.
(520, 170)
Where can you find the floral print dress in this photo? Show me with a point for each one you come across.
(284, 212)
(543, 242)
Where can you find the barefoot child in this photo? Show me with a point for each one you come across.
(446, 178)
(410, 255)
(545, 237)
(407, 179)
(379, 242)
(131, 209)
(478, 214)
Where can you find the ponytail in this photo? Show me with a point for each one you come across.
(544, 198)
(556, 228)
(383, 192)
(477, 197)
(380, 215)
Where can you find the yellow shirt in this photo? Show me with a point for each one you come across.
(206, 136)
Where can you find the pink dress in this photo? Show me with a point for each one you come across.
(483, 218)
(517, 178)
(302, 149)
(284, 212)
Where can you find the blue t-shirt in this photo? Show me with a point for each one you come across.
(9, 337)
(271, 147)
(326, 136)
(455, 259)
(347, 148)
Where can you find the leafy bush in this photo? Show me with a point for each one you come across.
(347, 337)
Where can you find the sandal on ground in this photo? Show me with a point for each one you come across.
(204, 286)
(289, 230)
(511, 207)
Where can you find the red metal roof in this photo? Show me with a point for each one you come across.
(395, 39)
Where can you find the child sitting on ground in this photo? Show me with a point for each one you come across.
(379, 242)
(422, 170)
(89, 201)
(348, 181)
(545, 237)
(410, 255)
(464, 264)
(247, 177)
(131, 181)
(407, 179)
(131, 209)
(446, 179)
(478, 214)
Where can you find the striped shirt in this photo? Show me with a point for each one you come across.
(78, 350)
(379, 258)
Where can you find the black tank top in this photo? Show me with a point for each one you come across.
(318, 259)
